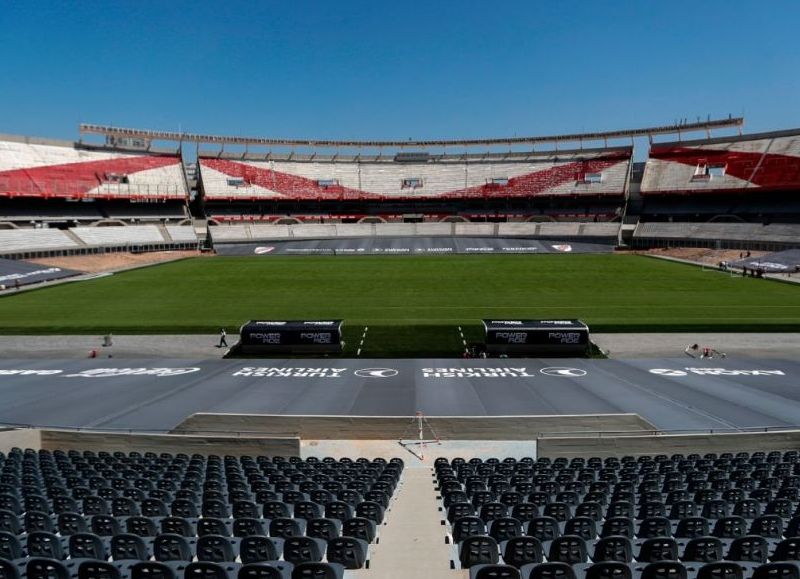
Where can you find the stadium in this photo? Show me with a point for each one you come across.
(567, 355)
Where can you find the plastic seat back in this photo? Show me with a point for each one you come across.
(613, 549)
(86, 546)
(750, 548)
(214, 548)
(349, 552)
(609, 570)
(46, 568)
(658, 549)
(98, 570)
(664, 570)
(478, 550)
(298, 550)
(257, 549)
(169, 547)
(521, 551)
(127, 546)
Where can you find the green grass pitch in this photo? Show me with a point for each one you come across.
(412, 305)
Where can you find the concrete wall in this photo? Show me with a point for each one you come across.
(220, 445)
(396, 427)
(19, 437)
(669, 444)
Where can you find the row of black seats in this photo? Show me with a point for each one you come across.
(598, 462)
(188, 504)
(350, 552)
(650, 477)
(67, 522)
(529, 507)
(604, 494)
(59, 474)
(106, 526)
(520, 551)
(168, 547)
(657, 570)
(39, 568)
(548, 528)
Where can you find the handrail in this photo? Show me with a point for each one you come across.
(542, 434)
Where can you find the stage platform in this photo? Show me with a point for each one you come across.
(159, 394)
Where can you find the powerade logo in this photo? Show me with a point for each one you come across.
(714, 372)
(316, 337)
(565, 337)
(512, 337)
(266, 338)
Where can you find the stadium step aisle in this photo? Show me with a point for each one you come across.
(412, 544)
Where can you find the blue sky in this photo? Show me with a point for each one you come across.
(410, 69)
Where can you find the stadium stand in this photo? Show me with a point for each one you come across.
(653, 517)
(763, 161)
(114, 516)
(750, 178)
(587, 185)
(65, 170)
(132, 234)
(45, 181)
(18, 240)
(767, 237)
(25, 243)
(511, 175)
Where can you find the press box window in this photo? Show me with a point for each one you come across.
(412, 183)
(716, 171)
(116, 178)
(499, 181)
(707, 171)
(236, 182)
(592, 178)
(325, 183)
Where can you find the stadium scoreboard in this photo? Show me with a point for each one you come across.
(537, 337)
(291, 337)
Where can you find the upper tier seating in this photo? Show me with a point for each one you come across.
(572, 173)
(166, 516)
(571, 517)
(38, 170)
(15, 240)
(751, 162)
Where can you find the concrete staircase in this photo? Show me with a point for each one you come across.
(412, 544)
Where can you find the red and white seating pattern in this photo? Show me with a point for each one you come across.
(454, 177)
(34, 170)
(770, 163)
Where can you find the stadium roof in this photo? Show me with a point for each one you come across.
(149, 135)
